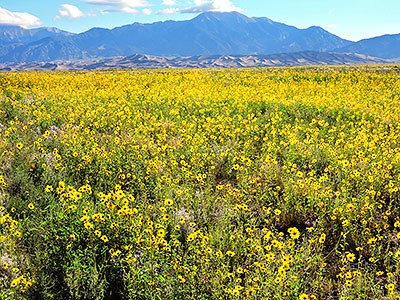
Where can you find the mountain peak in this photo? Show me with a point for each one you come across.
(210, 33)
(385, 46)
(315, 28)
(222, 16)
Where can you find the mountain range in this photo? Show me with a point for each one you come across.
(209, 34)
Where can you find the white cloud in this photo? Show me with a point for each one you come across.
(168, 2)
(18, 18)
(168, 11)
(128, 10)
(125, 6)
(70, 11)
(211, 5)
(120, 3)
(146, 11)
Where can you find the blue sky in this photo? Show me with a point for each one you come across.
(351, 19)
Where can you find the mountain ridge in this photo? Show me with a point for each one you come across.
(384, 46)
(209, 33)
(16, 34)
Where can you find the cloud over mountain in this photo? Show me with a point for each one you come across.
(18, 18)
(211, 5)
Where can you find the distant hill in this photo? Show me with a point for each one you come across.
(209, 33)
(385, 46)
(214, 61)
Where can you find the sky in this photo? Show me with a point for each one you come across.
(350, 19)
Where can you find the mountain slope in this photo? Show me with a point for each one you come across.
(385, 46)
(208, 34)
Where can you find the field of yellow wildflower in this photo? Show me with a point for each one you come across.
(278, 183)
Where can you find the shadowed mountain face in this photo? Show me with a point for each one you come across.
(207, 34)
(385, 46)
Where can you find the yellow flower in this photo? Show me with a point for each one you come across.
(181, 279)
(48, 189)
(61, 185)
(322, 238)
(104, 238)
(350, 257)
(31, 206)
(161, 233)
(235, 292)
(88, 225)
(304, 297)
(294, 233)
(278, 280)
(168, 202)
(349, 283)
(72, 207)
(19, 146)
(390, 286)
(219, 254)
(111, 205)
(270, 256)
(15, 282)
(191, 237)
